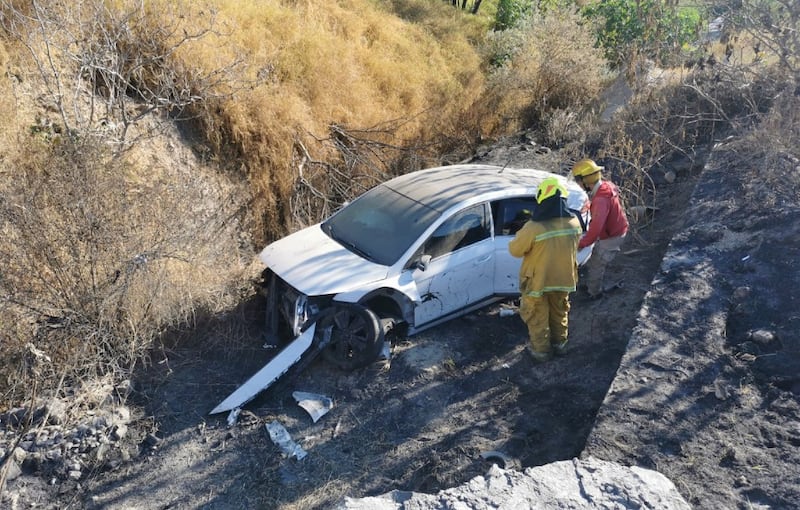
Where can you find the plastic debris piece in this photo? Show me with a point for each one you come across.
(504, 461)
(280, 436)
(386, 350)
(233, 416)
(315, 405)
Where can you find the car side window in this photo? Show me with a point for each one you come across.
(511, 214)
(462, 229)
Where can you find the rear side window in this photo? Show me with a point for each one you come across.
(511, 214)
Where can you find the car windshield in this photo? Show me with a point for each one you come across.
(380, 225)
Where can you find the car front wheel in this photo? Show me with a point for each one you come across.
(356, 336)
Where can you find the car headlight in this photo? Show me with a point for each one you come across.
(306, 307)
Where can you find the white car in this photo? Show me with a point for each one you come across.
(413, 252)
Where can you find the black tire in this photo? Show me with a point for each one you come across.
(356, 336)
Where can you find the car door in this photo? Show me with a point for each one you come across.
(508, 216)
(460, 269)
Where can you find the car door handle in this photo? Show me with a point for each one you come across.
(482, 260)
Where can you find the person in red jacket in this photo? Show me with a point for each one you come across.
(607, 227)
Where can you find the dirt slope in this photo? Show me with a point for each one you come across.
(707, 389)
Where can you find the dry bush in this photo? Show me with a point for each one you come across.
(323, 67)
(103, 67)
(104, 235)
(553, 72)
(765, 31)
(676, 124)
(775, 145)
(102, 257)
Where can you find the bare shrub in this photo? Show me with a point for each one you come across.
(357, 160)
(102, 258)
(552, 70)
(775, 145)
(771, 28)
(680, 121)
(105, 67)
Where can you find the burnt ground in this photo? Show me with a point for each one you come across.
(690, 369)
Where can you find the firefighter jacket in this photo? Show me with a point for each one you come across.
(549, 255)
(608, 217)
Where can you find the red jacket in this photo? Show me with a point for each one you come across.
(608, 217)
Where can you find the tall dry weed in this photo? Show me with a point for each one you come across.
(101, 258)
(321, 68)
(550, 74)
(677, 123)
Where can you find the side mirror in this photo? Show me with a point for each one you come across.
(422, 263)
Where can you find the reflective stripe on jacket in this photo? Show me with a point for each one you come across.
(549, 255)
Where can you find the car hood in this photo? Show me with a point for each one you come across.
(315, 264)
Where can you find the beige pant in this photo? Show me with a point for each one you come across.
(546, 318)
(603, 253)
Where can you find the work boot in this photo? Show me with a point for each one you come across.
(539, 357)
(560, 349)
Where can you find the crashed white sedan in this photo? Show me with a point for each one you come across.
(411, 253)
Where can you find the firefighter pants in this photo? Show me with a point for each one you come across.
(603, 253)
(546, 318)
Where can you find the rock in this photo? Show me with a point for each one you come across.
(56, 412)
(12, 470)
(121, 415)
(19, 455)
(119, 432)
(574, 484)
(765, 339)
(741, 293)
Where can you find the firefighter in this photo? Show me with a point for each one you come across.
(547, 244)
(607, 227)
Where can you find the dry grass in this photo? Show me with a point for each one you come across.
(675, 123)
(316, 65)
(552, 75)
(99, 265)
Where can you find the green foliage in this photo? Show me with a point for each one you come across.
(510, 12)
(649, 27)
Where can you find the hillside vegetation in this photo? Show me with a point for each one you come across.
(148, 149)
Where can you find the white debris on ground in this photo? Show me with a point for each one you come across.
(280, 436)
(315, 405)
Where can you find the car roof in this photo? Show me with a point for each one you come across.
(443, 187)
